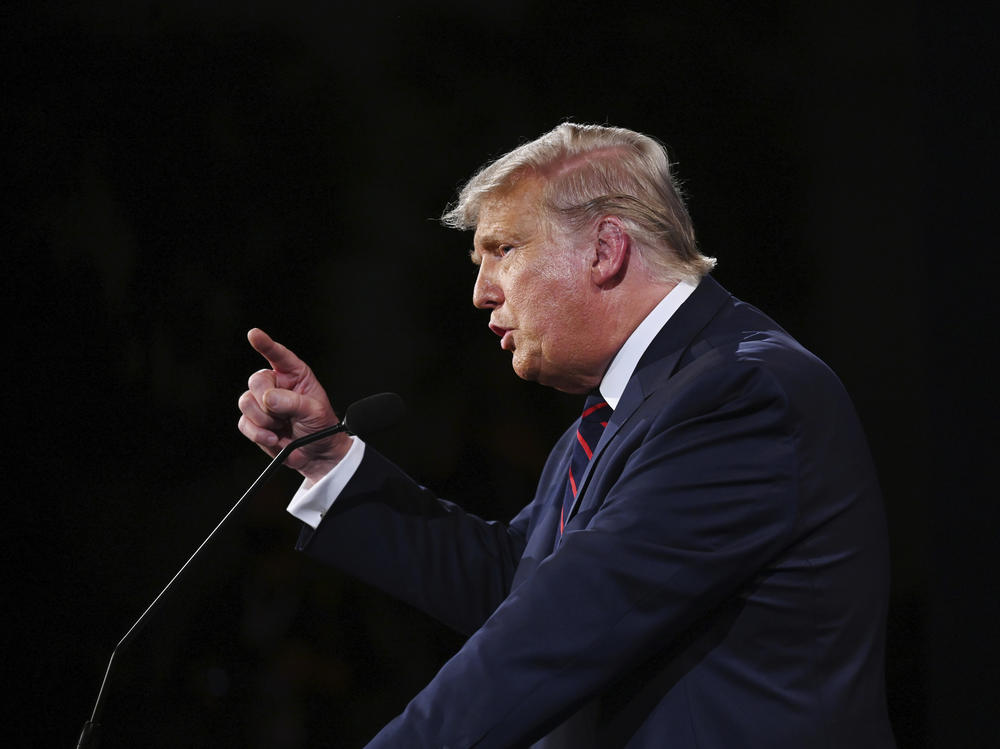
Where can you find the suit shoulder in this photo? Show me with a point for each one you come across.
(742, 354)
(745, 337)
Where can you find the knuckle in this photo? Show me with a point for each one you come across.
(262, 378)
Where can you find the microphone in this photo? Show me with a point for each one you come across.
(364, 417)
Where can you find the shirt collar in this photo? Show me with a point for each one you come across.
(627, 358)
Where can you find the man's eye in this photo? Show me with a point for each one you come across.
(505, 249)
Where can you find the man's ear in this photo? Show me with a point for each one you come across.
(613, 246)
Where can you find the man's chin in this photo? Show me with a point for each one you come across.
(564, 383)
(524, 370)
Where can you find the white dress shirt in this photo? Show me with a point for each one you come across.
(312, 501)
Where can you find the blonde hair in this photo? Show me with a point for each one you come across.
(589, 172)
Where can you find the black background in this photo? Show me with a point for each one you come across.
(180, 172)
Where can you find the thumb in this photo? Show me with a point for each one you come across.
(298, 409)
(284, 403)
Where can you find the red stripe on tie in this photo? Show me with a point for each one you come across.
(593, 408)
(572, 483)
(583, 443)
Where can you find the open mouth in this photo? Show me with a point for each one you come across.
(506, 336)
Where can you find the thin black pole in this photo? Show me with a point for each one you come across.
(91, 726)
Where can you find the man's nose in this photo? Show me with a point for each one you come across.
(486, 294)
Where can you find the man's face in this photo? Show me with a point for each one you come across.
(535, 279)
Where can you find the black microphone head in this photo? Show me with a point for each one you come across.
(374, 413)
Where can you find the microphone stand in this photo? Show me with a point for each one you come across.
(90, 727)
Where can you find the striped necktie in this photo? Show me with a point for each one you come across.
(594, 418)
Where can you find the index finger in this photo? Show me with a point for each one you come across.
(280, 358)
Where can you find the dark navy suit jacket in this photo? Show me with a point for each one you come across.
(722, 580)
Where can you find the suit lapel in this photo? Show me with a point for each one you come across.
(658, 364)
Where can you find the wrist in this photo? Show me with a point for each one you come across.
(316, 468)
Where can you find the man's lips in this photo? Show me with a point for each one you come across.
(506, 339)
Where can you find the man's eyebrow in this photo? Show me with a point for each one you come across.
(485, 241)
(491, 239)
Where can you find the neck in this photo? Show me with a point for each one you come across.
(632, 306)
(620, 312)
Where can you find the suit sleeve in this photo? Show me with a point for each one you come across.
(392, 533)
(704, 500)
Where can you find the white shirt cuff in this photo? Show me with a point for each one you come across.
(311, 503)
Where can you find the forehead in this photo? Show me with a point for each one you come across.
(511, 215)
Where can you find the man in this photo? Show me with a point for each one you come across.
(704, 563)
